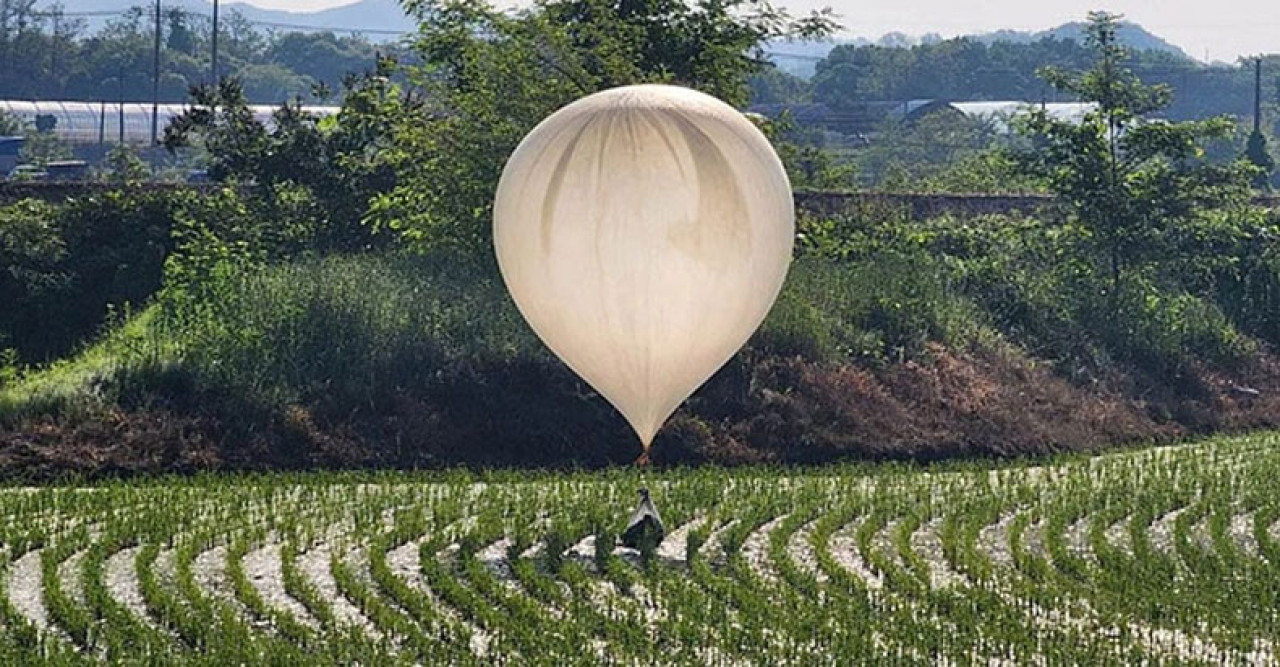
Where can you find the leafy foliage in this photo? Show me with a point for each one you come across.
(809, 165)
(65, 266)
(773, 85)
(966, 68)
(1258, 155)
(285, 324)
(1036, 283)
(314, 177)
(43, 147)
(122, 165)
(487, 77)
(907, 154)
(11, 125)
(1131, 181)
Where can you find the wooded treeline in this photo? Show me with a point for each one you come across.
(47, 54)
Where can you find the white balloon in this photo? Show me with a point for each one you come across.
(644, 232)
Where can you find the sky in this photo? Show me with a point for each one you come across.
(1219, 29)
(295, 5)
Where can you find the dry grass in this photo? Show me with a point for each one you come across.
(945, 404)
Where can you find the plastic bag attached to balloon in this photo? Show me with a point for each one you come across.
(644, 530)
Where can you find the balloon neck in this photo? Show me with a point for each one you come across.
(643, 460)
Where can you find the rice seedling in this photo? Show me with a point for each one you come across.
(1161, 555)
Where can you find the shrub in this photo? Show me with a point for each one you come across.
(1041, 284)
(878, 308)
(310, 178)
(67, 264)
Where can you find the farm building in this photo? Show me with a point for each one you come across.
(865, 118)
(81, 123)
(1000, 113)
(861, 119)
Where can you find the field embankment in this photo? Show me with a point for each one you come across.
(395, 361)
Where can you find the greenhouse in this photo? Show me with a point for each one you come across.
(114, 122)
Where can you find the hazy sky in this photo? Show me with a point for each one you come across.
(1224, 29)
(294, 5)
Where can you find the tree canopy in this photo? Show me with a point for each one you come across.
(1135, 182)
(486, 77)
(965, 68)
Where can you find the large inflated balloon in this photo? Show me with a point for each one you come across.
(644, 233)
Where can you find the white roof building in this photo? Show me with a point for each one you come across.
(1000, 113)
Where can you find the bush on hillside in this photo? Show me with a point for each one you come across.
(65, 266)
(910, 343)
(1040, 283)
(309, 178)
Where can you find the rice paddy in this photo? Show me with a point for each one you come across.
(1158, 556)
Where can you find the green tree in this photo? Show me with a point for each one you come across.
(180, 36)
(966, 69)
(122, 165)
(16, 32)
(11, 125)
(487, 77)
(845, 76)
(809, 165)
(1257, 153)
(1132, 181)
(44, 147)
(272, 83)
(323, 57)
(312, 177)
(906, 153)
(772, 85)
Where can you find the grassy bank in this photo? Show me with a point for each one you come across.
(932, 339)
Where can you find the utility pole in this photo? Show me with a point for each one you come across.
(215, 42)
(53, 43)
(120, 103)
(155, 82)
(1257, 95)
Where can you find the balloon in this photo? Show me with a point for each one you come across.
(644, 232)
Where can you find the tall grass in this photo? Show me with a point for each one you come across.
(354, 328)
(885, 307)
(348, 326)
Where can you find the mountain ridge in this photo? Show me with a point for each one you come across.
(374, 17)
(383, 20)
(1131, 35)
(799, 57)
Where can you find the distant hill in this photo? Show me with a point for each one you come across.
(799, 58)
(1131, 35)
(381, 17)
(375, 16)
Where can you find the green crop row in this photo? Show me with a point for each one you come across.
(1162, 556)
